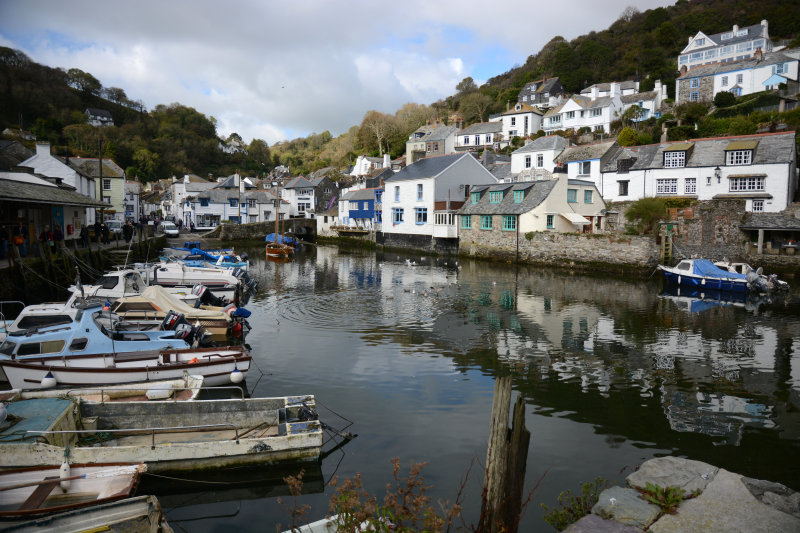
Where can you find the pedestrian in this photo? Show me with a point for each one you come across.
(3, 241)
(84, 236)
(46, 238)
(58, 237)
(19, 239)
(127, 231)
(191, 226)
(105, 231)
(180, 224)
(98, 235)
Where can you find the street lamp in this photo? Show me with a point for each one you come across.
(718, 174)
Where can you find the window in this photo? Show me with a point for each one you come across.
(466, 221)
(724, 81)
(466, 139)
(513, 121)
(570, 114)
(674, 159)
(694, 83)
(396, 193)
(726, 36)
(488, 138)
(234, 202)
(780, 68)
(572, 195)
(747, 183)
(107, 199)
(519, 196)
(251, 203)
(741, 33)
(475, 197)
(736, 91)
(758, 206)
(555, 119)
(397, 215)
(477, 140)
(585, 168)
(550, 221)
(421, 215)
(435, 147)
(495, 197)
(694, 96)
(739, 78)
(428, 147)
(419, 191)
(527, 161)
(690, 186)
(203, 202)
(486, 221)
(587, 197)
(596, 112)
(509, 222)
(599, 127)
(699, 42)
(539, 160)
(106, 184)
(623, 188)
(667, 186)
(738, 157)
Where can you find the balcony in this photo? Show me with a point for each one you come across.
(444, 226)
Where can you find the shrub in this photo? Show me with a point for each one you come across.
(724, 99)
(644, 137)
(627, 137)
(668, 498)
(572, 508)
(645, 213)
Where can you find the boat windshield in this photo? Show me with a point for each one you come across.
(7, 348)
(41, 321)
(108, 282)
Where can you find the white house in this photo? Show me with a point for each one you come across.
(536, 159)
(593, 111)
(761, 169)
(586, 162)
(746, 76)
(430, 140)
(419, 202)
(543, 93)
(522, 120)
(739, 43)
(649, 102)
(365, 165)
(132, 202)
(209, 208)
(174, 202)
(481, 136)
(98, 117)
(299, 193)
(622, 88)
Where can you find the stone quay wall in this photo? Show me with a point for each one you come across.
(711, 230)
(424, 243)
(560, 249)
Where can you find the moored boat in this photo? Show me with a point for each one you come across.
(702, 273)
(166, 436)
(33, 491)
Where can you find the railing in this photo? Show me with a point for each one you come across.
(153, 431)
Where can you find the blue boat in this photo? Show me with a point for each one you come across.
(703, 274)
(49, 330)
(191, 254)
(282, 239)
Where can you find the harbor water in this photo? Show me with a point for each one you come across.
(613, 372)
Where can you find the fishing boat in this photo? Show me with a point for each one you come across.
(88, 327)
(28, 492)
(154, 303)
(218, 366)
(141, 514)
(702, 273)
(166, 436)
(215, 258)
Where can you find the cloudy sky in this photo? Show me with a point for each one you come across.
(281, 70)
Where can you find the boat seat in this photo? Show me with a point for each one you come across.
(41, 493)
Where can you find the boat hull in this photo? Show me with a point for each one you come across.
(702, 282)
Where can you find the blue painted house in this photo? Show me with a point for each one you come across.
(361, 208)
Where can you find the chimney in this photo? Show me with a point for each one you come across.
(735, 29)
(613, 89)
(759, 55)
(593, 92)
(508, 105)
(387, 161)
(42, 148)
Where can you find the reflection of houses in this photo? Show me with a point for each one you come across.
(759, 169)
(421, 200)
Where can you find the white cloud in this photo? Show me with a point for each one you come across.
(280, 70)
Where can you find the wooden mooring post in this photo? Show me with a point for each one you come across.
(506, 459)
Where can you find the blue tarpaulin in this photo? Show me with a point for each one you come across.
(704, 267)
(283, 239)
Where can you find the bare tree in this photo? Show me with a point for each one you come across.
(380, 126)
(475, 105)
(628, 13)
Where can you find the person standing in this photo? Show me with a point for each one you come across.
(19, 239)
(127, 231)
(58, 237)
(84, 236)
(105, 232)
(98, 235)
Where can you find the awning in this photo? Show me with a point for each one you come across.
(575, 218)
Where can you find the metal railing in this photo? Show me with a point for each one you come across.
(152, 431)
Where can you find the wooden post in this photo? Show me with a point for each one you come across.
(506, 459)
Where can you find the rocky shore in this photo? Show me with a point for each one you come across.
(725, 502)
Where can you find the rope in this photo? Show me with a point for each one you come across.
(206, 482)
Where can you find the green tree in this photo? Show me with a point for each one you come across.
(645, 214)
(724, 99)
(83, 81)
(474, 106)
(467, 85)
(627, 137)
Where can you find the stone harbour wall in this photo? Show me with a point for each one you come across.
(563, 248)
(711, 230)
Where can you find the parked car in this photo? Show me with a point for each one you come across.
(167, 228)
(114, 228)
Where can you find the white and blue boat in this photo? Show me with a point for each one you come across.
(703, 274)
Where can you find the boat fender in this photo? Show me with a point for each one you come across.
(237, 376)
(194, 361)
(63, 473)
(49, 380)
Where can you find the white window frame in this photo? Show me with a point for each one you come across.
(539, 160)
(667, 186)
(675, 159)
(724, 82)
(527, 161)
(584, 168)
(106, 184)
(690, 186)
(694, 83)
(738, 157)
(758, 206)
(746, 183)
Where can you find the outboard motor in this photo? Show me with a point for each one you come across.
(206, 297)
(172, 320)
(756, 282)
(185, 332)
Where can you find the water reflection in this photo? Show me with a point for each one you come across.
(613, 370)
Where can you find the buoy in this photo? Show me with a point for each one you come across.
(49, 380)
(236, 375)
(194, 361)
(63, 473)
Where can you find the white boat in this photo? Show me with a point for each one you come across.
(218, 366)
(771, 281)
(142, 514)
(166, 436)
(28, 492)
(178, 274)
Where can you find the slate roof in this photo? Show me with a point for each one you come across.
(606, 87)
(772, 221)
(587, 103)
(707, 152)
(219, 196)
(230, 183)
(12, 153)
(88, 167)
(360, 194)
(299, 183)
(535, 193)
(548, 142)
(199, 187)
(770, 58)
(433, 132)
(22, 187)
(555, 111)
(482, 127)
(636, 97)
(753, 32)
(426, 168)
(501, 171)
(523, 108)
(541, 87)
(585, 152)
(95, 112)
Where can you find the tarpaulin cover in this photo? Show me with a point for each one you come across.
(281, 239)
(704, 267)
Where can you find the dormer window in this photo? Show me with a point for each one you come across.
(495, 197)
(738, 157)
(517, 107)
(700, 42)
(726, 36)
(519, 196)
(741, 33)
(475, 197)
(675, 159)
